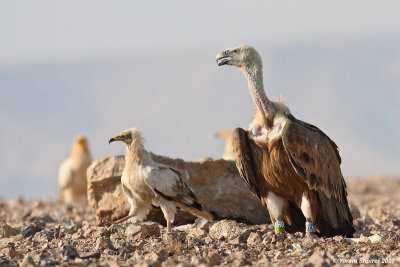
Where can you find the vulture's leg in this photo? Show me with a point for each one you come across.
(169, 209)
(168, 227)
(277, 206)
(306, 209)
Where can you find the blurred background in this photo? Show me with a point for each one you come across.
(99, 67)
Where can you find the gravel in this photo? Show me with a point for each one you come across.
(47, 232)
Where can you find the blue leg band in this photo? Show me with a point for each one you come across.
(310, 227)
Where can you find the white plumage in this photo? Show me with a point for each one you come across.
(72, 184)
(148, 183)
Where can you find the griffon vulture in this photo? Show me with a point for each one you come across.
(147, 183)
(292, 166)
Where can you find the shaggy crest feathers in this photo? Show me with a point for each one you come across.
(137, 137)
(137, 146)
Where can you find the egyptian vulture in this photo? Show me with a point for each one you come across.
(147, 183)
(292, 166)
(72, 184)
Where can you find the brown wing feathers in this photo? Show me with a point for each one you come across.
(245, 162)
(315, 158)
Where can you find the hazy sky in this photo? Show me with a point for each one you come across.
(74, 29)
(98, 67)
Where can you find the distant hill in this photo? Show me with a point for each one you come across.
(350, 90)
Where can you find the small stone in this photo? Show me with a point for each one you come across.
(278, 255)
(89, 255)
(115, 228)
(214, 259)
(267, 240)
(338, 239)
(28, 261)
(196, 232)
(364, 232)
(197, 261)
(68, 252)
(158, 257)
(364, 239)
(144, 230)
(238, 240)
(298, 250)
(88, 232)
(113, 264)
(77, 235)
(32, 229)
(170, 262)
(102, 231)
(202, 224)
(103, 242)
(241, 258)
(79, 261)
(375, 238)
(254, 239)
(11, 253)
(70, 226)
(318, 259)
(208, 240)
(45, 247)
(7, 231)
(277, 238)
(45, 218)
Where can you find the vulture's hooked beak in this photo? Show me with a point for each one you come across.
(116, 138)
(223, 58)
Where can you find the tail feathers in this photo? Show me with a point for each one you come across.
(334, 217)
(344, 229)
(196, 209)
(189, 204)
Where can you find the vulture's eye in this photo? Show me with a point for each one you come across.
(235, 51)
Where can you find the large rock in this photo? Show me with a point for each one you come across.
(228, 229)
(215, 182)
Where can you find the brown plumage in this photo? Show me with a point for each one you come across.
(292, 166)
(72, 184)
(147, 183)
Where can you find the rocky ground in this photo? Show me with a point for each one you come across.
(46, 232)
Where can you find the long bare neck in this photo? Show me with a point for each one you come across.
(254, 77)
(136, 154)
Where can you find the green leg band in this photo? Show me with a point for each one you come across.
(279, 227)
